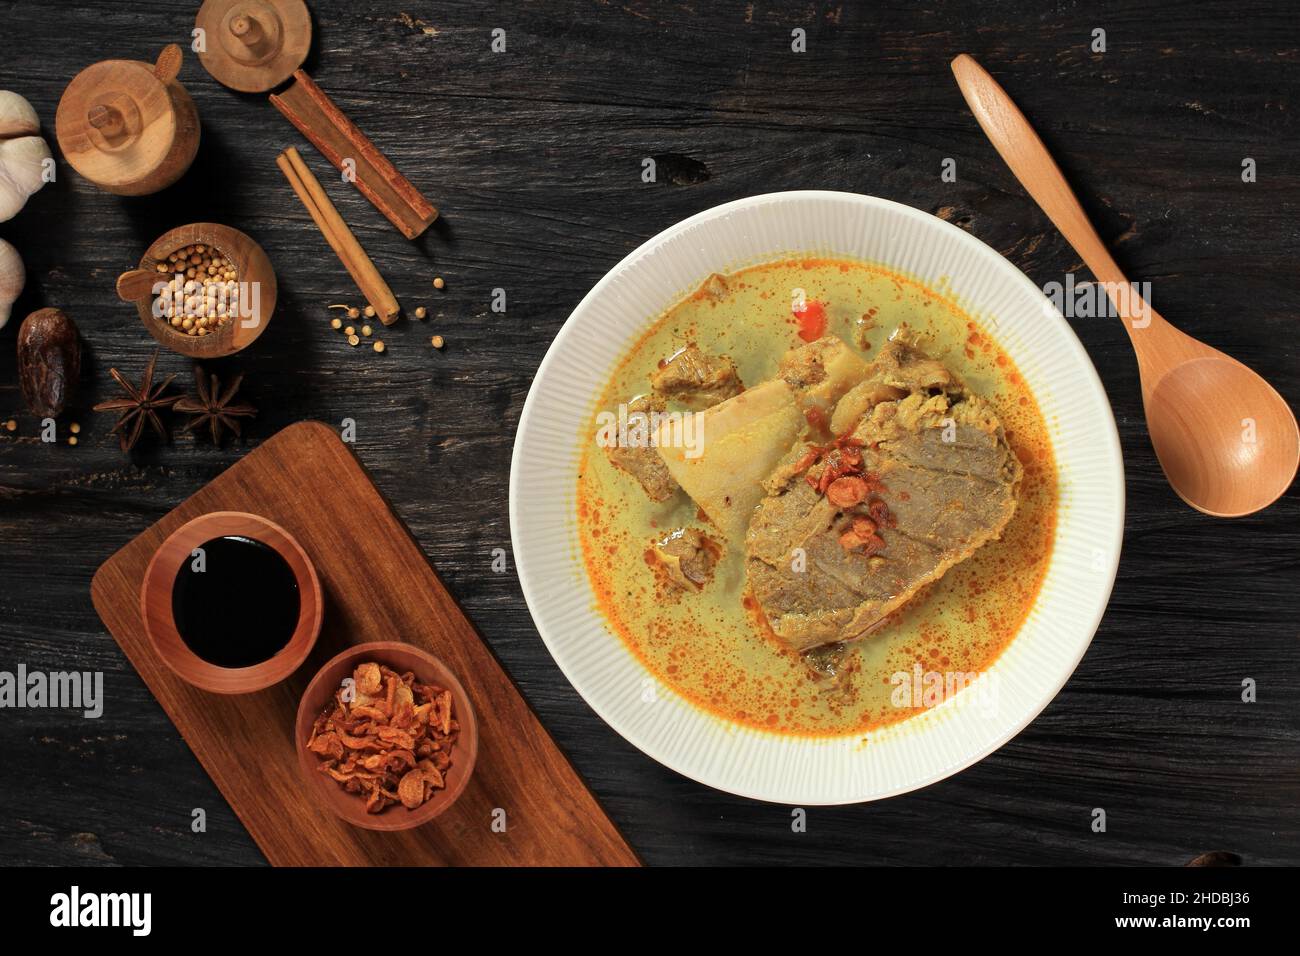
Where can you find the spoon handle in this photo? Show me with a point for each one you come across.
(1018, 144)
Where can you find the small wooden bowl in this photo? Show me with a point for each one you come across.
(252, 270)
(156, 604)
(428, 669)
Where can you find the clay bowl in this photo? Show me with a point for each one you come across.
(427, 669)
(156, 604)
(252, 271)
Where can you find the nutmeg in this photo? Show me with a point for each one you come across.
(49, 361)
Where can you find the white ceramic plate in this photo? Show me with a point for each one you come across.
(754, 763)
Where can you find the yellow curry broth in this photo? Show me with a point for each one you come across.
(710, 646)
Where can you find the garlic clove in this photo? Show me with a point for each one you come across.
(12, 277)
(23, 163)
(17, 117)
(24, 155)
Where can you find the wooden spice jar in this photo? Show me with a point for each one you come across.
(128, 126)
(256, 289)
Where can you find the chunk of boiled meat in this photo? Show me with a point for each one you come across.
(642, 461)
(696, 379)
(849, 533)
(688, 557)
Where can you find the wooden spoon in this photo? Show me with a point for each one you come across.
(1228, 443)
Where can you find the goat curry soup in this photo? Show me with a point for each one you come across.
(855, 489)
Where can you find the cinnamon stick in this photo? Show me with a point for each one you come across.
(339, 236)
(306, 106)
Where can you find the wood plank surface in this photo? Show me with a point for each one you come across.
(377, 586)
(534, 158)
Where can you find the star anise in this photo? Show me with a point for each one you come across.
(140, 405)
(212, 406)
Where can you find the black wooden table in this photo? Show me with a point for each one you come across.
(535, 156)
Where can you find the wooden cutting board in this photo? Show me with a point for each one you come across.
(378, 586)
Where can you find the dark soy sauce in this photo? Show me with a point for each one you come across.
(242, 608)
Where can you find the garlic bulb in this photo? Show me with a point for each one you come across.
(24, 155)
(17, 117)
(12, 277)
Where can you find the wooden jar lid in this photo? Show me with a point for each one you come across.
(128, 126)
(254, 45)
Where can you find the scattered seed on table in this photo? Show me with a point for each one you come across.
(72, 439)
(438, 282)
(436, 342)
(351, 310)
(336, 323)
(75, 428)
(370, 312)
(11, 425)
(379, 345)
(421, 312)
(349, 331)
(366, 330)
(353, 340)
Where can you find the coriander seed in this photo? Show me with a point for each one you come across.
(438, 283)
(203, 286)
(379, 345)
(366, 330)
(436, 341)
(353, 340)
(421, 312)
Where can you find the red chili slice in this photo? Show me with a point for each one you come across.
(812, 321)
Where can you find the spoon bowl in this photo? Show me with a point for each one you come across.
(1227, 441)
